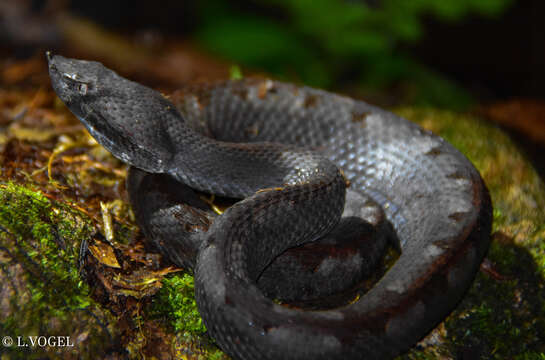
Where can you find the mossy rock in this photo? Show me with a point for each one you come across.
(502, 316)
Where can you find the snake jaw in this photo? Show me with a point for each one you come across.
(278, 188)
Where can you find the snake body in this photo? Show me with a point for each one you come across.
(289, 153)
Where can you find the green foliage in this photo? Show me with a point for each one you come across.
(235, 73)
(530, 356)
(175, 302)
(322, 42)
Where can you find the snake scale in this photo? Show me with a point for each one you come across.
(289, 153)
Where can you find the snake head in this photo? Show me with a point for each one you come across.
(73, 79)
(125, 117)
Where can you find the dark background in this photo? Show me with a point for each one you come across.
(489, 56)
(494, 58)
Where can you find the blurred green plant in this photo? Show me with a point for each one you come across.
(325, 42)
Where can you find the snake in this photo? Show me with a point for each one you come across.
(302, 164)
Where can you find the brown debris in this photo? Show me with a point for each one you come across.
(524, 115)
(360, 117)
(310, 101)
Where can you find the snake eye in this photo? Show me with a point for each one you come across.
(82, 88)
(74, 81)
(70, 76)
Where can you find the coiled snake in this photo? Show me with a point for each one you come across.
(225, 139)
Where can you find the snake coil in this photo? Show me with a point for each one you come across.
(289, 153)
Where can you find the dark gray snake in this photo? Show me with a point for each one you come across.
(224, 139)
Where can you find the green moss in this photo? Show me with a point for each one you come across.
(176, 303)
(39, 238)
(40, 242)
